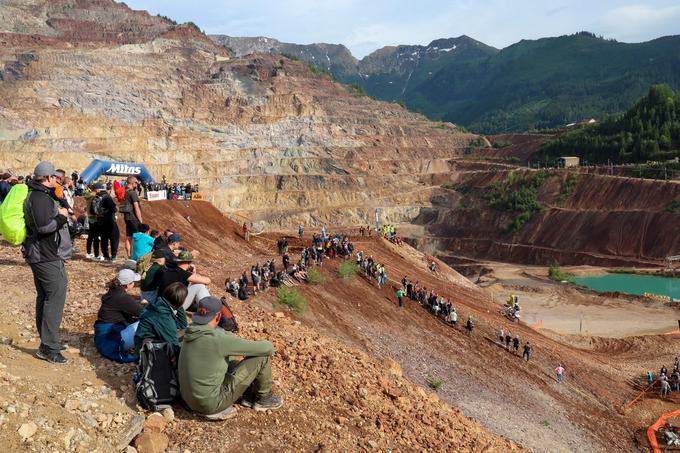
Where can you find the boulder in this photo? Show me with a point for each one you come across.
(27, 430)
(155, 423)
(150, 442)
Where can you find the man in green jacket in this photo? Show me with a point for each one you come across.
(161, 319)
(400, 297)
(210, 380)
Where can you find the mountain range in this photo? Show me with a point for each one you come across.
(533, 84)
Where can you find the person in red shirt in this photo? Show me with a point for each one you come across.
(246, 234)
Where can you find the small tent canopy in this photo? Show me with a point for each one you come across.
(100, 167)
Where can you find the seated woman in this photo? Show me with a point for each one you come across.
(161, 320)
(117, 319)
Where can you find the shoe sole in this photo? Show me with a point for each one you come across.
(259, 408)
(42, 356)
(219, 417)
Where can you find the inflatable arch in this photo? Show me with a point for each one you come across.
(100, 167)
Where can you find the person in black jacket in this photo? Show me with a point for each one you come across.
(47, 246)
(118, 318)
(108, 227)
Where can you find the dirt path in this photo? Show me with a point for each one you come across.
(568, 310)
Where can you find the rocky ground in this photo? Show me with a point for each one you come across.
(337, 398)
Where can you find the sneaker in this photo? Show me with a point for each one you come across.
(99, 258)
(223, 415)
(55, 358)
(89, 256)
(268, 403)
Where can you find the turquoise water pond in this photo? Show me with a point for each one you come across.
(632, 284)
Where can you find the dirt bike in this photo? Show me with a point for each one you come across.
(511, 313)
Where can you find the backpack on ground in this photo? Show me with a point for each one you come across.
(144, 263)
(158, 384)
(228, 320)
(97, 206)
(12, 222)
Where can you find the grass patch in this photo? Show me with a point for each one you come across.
(621, 271)
(315, 277)
(356, 90)
(673, 206)
(554, 273)
(517, 197)
(434, 382)
(567, 187)
(348, 269)
(290, 56)
(291, 298)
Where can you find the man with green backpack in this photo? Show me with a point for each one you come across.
(47, 246)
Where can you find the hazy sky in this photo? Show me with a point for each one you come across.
(365, 25)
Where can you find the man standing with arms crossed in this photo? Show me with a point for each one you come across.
(47, 246)
(132, 212)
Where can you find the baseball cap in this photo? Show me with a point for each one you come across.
(127, 276)
(174, 238)
(184, 256)
(208, 307)
(45, 169)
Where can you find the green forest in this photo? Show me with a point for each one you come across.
(649, 131)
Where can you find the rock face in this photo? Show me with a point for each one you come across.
(264, 136)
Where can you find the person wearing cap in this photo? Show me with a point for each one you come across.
(185, 272)
(163, 319)
(162, 240)
(211, 380)
(47, 246)
(118, 318)
(149, 291)
(171, 247)
(133, 218)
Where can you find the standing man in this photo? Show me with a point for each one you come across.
(108, 226)
(132, 212)
(400, 297)
(559, 372)
(47, 246)
(300, 231)
(526, 355)
(246, 234)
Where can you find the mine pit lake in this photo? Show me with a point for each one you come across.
(632, 284)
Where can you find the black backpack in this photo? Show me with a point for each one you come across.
(97, 206)
(158, 384)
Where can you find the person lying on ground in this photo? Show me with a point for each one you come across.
(142, 242)
(149, 285)
(210, 378)
(161, 320)
(118, 318)
(185, 273)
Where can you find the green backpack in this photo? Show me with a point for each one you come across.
(12, 223)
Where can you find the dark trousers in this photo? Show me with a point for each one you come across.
(51, 284)
(110, 235)
(93, 238)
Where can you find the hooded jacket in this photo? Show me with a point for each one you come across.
(47, 238)
(203, 363)
(160, 322)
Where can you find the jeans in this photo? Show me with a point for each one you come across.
(51, 284)
(127, 336)
(150, 296)
(559, 378)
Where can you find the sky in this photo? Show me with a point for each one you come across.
(366, 25)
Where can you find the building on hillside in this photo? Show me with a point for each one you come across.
(565, 162)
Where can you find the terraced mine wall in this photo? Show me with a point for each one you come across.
(583, 219)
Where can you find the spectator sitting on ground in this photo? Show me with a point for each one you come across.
(142, 242)
(161, 320)
(210, 378)
(162, 240)
(184, 272)
(149, 286)
(117, 320)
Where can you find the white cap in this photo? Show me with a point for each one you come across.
(126, 276)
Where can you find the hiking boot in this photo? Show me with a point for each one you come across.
(55, 358)
(222, 415)
(268, 403)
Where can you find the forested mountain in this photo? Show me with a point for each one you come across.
(649, 131)
(533, 84)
